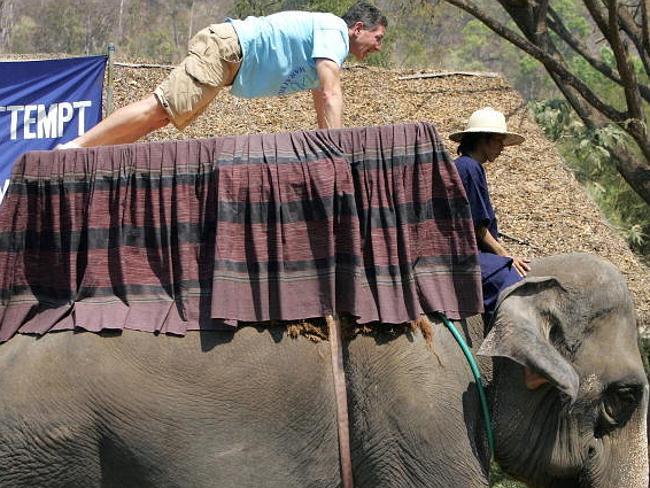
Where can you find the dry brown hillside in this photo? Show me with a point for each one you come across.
(541, 207)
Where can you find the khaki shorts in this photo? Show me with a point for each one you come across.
(212, 62)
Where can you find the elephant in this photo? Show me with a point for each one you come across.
(256, 407)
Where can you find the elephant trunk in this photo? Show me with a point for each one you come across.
(633, 468)
(627, 457)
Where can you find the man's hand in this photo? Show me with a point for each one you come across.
(488, 243)
(521, 265)
(328, 99)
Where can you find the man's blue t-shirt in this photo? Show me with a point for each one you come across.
(279, 51)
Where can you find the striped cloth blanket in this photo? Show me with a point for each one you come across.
(204, 234)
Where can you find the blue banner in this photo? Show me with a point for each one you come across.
(45, 103)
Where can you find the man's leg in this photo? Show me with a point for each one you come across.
(127, 124)
(212, 63)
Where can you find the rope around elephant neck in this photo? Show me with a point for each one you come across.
(477, 377)
(340, 392)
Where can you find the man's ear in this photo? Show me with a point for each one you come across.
(521, 332)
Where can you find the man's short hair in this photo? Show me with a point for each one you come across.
(367, 13)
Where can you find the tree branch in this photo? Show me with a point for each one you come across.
(634, 124)
(6, 23)
(557, 25)
(551, 64)
(598, 14)
(584, 111)
(645, 4)
(440, 74)
(635, 34)
(625, 68)
(634, 170)
(541, 28)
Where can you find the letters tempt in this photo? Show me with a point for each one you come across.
(42, 122)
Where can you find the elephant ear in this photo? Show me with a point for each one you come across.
(521, 331)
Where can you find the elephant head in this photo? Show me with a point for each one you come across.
(569, 391)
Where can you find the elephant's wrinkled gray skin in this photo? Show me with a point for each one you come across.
(256, 409)
(577, 329)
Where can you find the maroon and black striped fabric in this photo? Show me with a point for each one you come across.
(203, 234)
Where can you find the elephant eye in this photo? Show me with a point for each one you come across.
(618, 405)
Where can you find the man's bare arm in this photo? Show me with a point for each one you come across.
(487, 241)
(328, 99)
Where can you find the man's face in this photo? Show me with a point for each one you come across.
(364, 42)
(494, 146)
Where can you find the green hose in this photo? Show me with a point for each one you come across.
(477, 377)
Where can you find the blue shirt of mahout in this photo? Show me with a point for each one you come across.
(472, 174)
(279, 51)
(497, 272)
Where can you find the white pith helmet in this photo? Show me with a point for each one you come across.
(488, 120)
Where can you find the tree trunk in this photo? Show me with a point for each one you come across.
(191, 22)
(120, 30)
(6, 21)
(633, 168)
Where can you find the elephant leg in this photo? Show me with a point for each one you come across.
(414, 419)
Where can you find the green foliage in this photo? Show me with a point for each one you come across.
(587, 152)
(479, 54)
(609, 91)
(158, 44)
(337, 7)
(23, 35)
(244, 8)
(574, 15)
(498, 479)
(66, 27)
(63, 25)
(408, 41)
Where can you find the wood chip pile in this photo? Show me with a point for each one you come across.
(542, 209)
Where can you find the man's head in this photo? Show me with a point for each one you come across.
(366, 27)
(486, 135)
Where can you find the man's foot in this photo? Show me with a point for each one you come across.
(67, 145)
